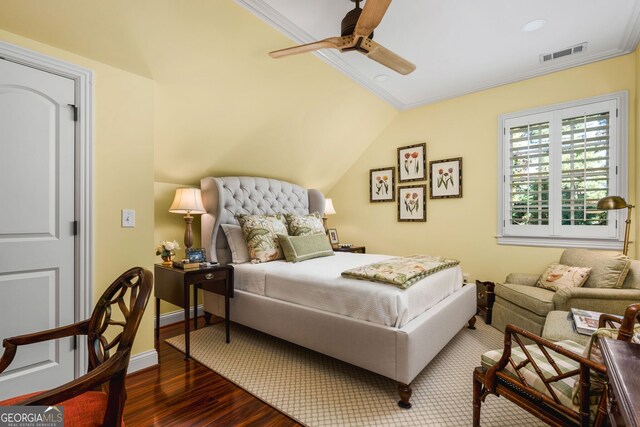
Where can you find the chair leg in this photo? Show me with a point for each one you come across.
(477, 402)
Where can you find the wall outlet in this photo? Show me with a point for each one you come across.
(128, 218)
(465, 277)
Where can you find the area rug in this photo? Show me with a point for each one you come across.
(317, 390)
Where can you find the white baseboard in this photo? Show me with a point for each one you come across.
(177, 316)
(143, 361)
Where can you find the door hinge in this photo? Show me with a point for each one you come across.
(75, 112)
(75, 342)
(616, 112)
(75, 228)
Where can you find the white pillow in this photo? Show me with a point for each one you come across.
(239, 252)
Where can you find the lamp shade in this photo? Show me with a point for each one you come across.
(187, 201)
(612, 202)
(328, 207)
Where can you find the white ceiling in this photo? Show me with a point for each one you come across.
(461, 46)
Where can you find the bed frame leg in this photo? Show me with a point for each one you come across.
(405, 394)
(472, 323)
(207, 318)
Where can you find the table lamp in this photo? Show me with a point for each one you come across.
(328, 210)
(617, 202)
(187, 201)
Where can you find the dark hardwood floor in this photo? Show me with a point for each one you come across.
(182, 392)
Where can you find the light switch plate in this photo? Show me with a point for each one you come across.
(128, 218)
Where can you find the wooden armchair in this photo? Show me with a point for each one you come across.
(541, 377)
(98, 397)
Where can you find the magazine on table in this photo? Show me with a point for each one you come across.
(585, 321)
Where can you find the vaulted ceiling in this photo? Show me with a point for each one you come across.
(462, 46)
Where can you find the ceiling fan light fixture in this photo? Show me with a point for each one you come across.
(533, 25)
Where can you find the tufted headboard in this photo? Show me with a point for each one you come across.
(224, 197)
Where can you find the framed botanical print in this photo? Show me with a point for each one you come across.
(382, 185)
(411, 203)
(412, 161)
(445, 179)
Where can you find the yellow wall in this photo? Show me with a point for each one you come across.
(467, 127)
(123, 172)
(636, 235)
(233, 110)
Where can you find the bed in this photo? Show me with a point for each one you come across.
(398, 345)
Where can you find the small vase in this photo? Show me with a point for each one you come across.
(168, 259)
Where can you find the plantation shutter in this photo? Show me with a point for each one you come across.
(585, 168)
(529, 174)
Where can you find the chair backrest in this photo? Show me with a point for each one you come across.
(129, 294)
(627, 327)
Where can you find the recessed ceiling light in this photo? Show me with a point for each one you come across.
(533, 25)
(381, 78)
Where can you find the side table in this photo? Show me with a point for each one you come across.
(353, 249)
(485, 298)
(172, 285)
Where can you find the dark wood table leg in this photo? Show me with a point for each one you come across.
(227, 316)
(195, 307)
(186, 322)
(157, 321)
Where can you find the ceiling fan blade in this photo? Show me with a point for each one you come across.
(331, 42)
(385, 57)
(372, 13)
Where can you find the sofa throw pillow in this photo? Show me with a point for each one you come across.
(304, 225)
(608, 269)
(261, 235)
(302, 248)
(559, 276)
(239, 252)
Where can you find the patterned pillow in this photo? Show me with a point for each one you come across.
(261, 234)
(560, 276)
(304, 225)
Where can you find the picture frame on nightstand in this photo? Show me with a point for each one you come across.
(333, 236)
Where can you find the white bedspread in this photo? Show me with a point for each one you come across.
(318, 283)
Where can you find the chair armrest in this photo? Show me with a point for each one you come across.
(604, 300)
(11, 344)
(116, 364)
(525, 279)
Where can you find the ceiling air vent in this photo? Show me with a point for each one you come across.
(564, 52)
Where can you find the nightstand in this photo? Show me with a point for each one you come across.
(485, 298)
(172, 285)
(353, 249)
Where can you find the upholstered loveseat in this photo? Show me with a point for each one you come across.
(613, 284)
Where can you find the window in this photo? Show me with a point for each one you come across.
(555, 164)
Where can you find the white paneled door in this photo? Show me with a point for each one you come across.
(37, 215)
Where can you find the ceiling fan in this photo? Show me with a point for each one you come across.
(357, 34)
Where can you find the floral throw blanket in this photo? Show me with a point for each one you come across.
(401, 272)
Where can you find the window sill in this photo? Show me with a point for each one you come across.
(560, 242)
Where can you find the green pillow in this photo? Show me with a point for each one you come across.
(302, 248)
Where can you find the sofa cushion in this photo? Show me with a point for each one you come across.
(632, 281)
(608, 269)
(537, 300)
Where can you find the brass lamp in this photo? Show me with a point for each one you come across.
(617, 202)
(328, 210)
(187, 201)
